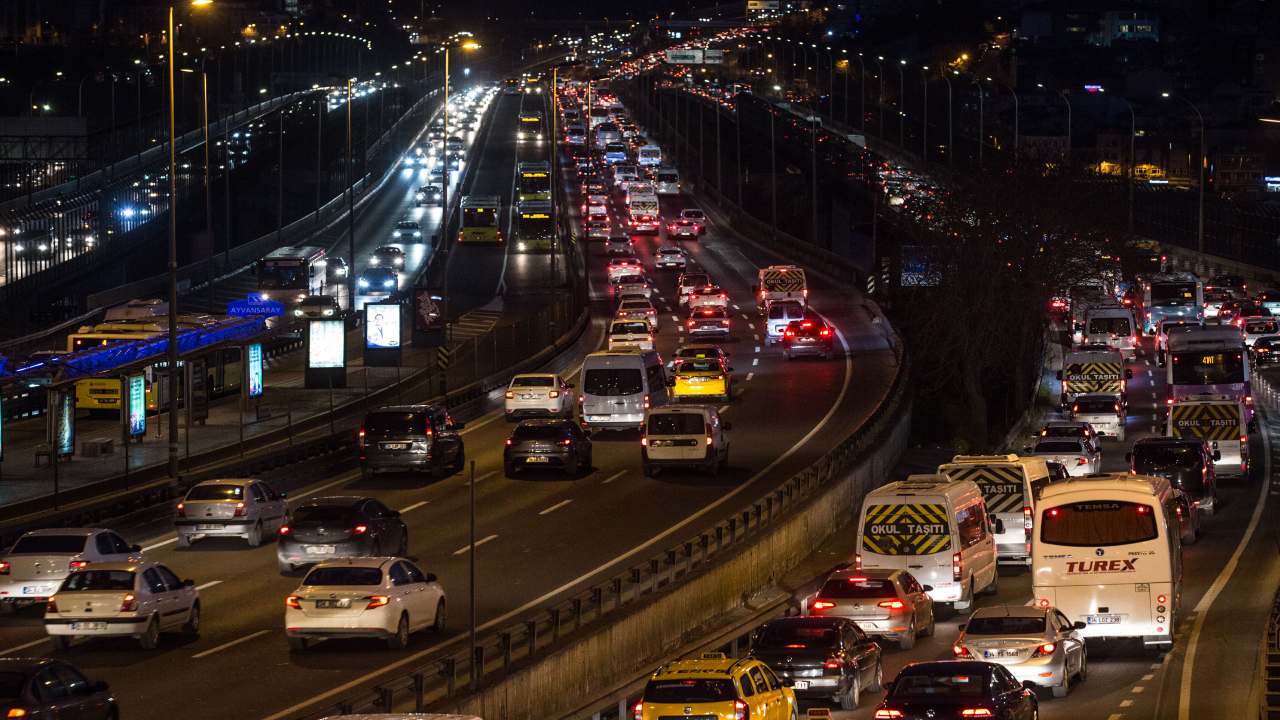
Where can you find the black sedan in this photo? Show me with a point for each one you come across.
(339, 526)
(546, 444)
(820, 657)
(1266, 350)
(41, 687)
(808, 337)
(966, 689)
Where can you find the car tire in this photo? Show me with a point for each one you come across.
(509, 470)
(878, 683)
(403, 550)
(714, 467)
(184, 540)
(284, 565)
(400, 640)
(366, 473)
(588, 462)
(437, 469)
(151, 637)
(829, 355)
(968, 607)
(460, 462)
(932, 626)
(255, 535)
(907, 640)
(1213, 505)
(1189, 538)
(297, 643)
(571, 465)
(786, 354)
(192, 626)
(511, 418)
(1083, 673)
(441, 622)
(60, 642)
(993, 587)
(646, 469)
(849, 700)
(1062, 689)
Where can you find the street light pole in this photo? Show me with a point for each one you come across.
(1068, 102)
(880, 101)
(902, 107)
(1203, 162)
(1133, 131)
(924, 117)
(951, 143)
(208, 189)
(351, 213)
(1015, 115)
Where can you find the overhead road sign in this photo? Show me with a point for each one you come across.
(255, 305)
(691, 56)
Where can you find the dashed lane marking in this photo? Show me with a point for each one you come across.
(478, 544)
(750, 375)
(614, 477)
(553, 508)
(414, 506)
(227, 645)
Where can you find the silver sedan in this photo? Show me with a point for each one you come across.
(1034, 643)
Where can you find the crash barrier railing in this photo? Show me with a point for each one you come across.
(441, 678)
(1266, 396)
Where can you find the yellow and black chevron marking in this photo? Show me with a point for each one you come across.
(778, 281)
(1206, 422)
(906, 530)
(442, 358)
(1001, 487)
(1093, 377)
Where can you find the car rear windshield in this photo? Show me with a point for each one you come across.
(1061, 431)
(686, 423)
(610, 382)
(49, 545)
(692, 214)
(1096, 405)
(1058, 447)
(216, 492)
(636, 305)
(779, 311)
(1113, 326)
(395, 423)
(857, 587)
(532, 382)
(1101, 523)
(793, 635)
(98, 580)
(698, 366)
(1159, 458)
(1260, 328)
(329, 514)
(637, 327)
(940, 684)
(11, 684)
(536, 432)
(631, 280)
(689, 691)
(344, 576)
(1005, 626)
(667, 177)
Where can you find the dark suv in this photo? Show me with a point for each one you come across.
(1187, 464)
(835, 659)
(410, 437)
(807, 337)
(340, 526)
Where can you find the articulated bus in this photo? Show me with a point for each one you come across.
(536, 229)
(480, 219)
(1208, 359)
(535, 181)
(288, 275)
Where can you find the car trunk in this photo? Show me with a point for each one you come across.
(343, 602)
(321, 533)
(1005, 650)
(41, 568)
(210, 509)
(90, 604)
(793, 662)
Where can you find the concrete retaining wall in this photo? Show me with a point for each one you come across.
(556, 683)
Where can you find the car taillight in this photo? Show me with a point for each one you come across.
(510, 394)
(822, 604)
(739, 710)
(833, 662)
(284, 529)
(361, 436)
(580, 398)
(1044, 603)
(956, 568)
(180, 511)
(361, 529)
(724, 296)
(51, 605)
(1082, 461)
(644, 441)
(825, 333)
(4, 568)
(377, 601)
(976, 712)
(555, 394)
(857, 562)
(888, 714)
(1045, 649)
(292, 601)
(564, 442)
(1026, 518)
(129, 604)
(646, 402)
(79, 564)
(960, 651)
(240, 509)
(892, 604)
(639, 711)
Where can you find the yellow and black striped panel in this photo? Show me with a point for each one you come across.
(1093, 377)
(906, 530)
(1001, 486)
(778, 281)
(1206, 422)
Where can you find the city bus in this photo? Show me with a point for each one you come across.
(1208, 359)
(480, 219)
(535, 181)
(530, 126)
(536, 228)
(1177, 295)
(511, 86)
(288, 275)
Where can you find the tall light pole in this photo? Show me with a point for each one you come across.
(862, 96)
(1015, 115)
(902, 107)
(351, 212)
(924, 117)
(173, 254)
(880, 101)
(1068, 102)
(981, 130)
(208, 189)
(1133, 131)
(1204, 160)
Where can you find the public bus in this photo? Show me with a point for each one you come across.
(288, 275)
(512, 86)
(1177, 295)
(1108, 554)
(480, 219)
(1208, 359)
(535, 181)
(530, 126)
(536, 228)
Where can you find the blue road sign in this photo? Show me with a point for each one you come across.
(254, 305)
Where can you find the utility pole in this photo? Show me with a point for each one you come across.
(351, 214)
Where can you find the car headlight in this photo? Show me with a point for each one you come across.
(388, 283)
(298, 312)
(416, 233)
(373, 261)
(363, 282)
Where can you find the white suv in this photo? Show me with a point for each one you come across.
(684, 436)
(778, 315)
(539, 395)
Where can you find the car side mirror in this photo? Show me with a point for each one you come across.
(1028, 685)
(1028, 449)
(569, 385)
(1128, 374)
(101, 686)
(135, 548)
(1079, 625)
(726, 425)
(1059, 374)
(1217, 454)
(960, 627)
(431, 577)
(1128, 457)
(188, 583)
(929, 588)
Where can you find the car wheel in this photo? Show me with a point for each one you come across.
(646, 469)
(255, 535)
(850, 700)
(151, 638)
(714, 467)
(878, 682)
(1060, 690)
(587, 462)
(509, 470)
(1083, 673)
(284, 565)
(442, 619)
(184, 540)
(460, 462)
(403, 550)
(400, 640)
(967, 608)
(60, 642)
(511, 418)
(933, 621)
(571, 465)
(829, 355)
(993, 587)
(437, 469)
(1189, 537)
(297, 643)
(908, 639)
(366, 474)
(192, 626)
(786, 354)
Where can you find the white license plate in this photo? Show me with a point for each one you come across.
(528, 397)
(1102, 619)
(35, 589)
(395, 446)
(208, 526)
(537, 459)
(321, 549)
(597, 418)
(88, 626)
(999, 653)
(800, 684)
(344, 603)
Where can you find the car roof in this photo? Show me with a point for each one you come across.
(713, 664)
(124, 566)
(1009, 611)
(1168, 441)
(677, 409)
(341, 500)
(546, 422)
(537, 375)
(831, 621)
(878, 574)
(17, 664)
(960, 667)
(367, 562)
(225, 481)
(58, 532)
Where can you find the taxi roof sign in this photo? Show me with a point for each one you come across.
(713, 656)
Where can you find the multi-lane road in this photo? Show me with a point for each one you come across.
(544, 536)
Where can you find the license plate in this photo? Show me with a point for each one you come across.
(35, 589)
(395, 446)
(333, 604)
(321, 549)
(597, 418)
(88, 626)
(800, 684)
(208, 526)
(1000, 653)
(537, 459)
(1102, 619)
(528, 397)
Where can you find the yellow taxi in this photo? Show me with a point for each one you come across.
(700, 378)
(716, 687)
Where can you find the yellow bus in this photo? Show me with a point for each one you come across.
(480, 219)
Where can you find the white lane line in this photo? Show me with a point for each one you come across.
(482, 423)
(1155, 416)
(304, 494)
(227, 645)
(1138, 689)
(1115, 716)
(755, 361)
(667, 308)
(553, 508)
(414, 506)
(615, 477)
(1126, 703)
(149, 548)
(655, 540)
(735, 307)
(1148, 373)
(6, 653)
(482, 477)
(726, 407)
(674, 318)
(209, 584)
(478, 544)
(744, 316)
(750, 375)
(757, 348)
(757, 337)
(1147, 678)
(1202, 607)
(753, 327)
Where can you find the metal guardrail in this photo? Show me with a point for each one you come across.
(1267, 396)
(439, 679)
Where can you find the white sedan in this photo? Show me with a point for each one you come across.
(669, 257)
(384, 598)
(621, 266)
(115, 599)
(1077, 454)
(711, 296)
(539, 395)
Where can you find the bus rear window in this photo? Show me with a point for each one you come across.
(1101, 523)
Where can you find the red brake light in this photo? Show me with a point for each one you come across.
(240, 509)
(51, 605)
(292, 601)
(564, 442)
(892, 604)
(181, 512)
(4, 568)
(639, 711)
(79, 564)
(888, 714)
(284, 529)
(509, 441)
(509, 395)
(646, 402)
(555, 394)
(739, 710)
(1044, 603)
(378, 601)
(956, 568)
(976, 712)
(644, 441)
(960, 651)
(1161, 599)
(130, 603)
(822, 605)
(360, 529)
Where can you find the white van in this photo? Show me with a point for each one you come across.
(935, 528)
(1110, 326)
(666, 181)
(1108, 553)
(684, 436)
(1009, 485)
(1218, 420)
(649, 156)
(619, 386)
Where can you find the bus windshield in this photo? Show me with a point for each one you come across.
(1208, 368)
(277, 277)
(479, 217)
(536, 225)
(1101, 523)
(1181, 293)
(535, 183)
